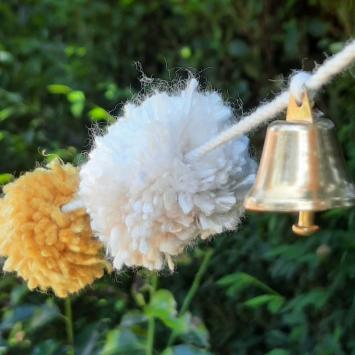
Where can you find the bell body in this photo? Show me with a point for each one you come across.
(301, 169)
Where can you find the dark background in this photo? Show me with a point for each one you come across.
(64, 64)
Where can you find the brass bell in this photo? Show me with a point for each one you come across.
(301, 169)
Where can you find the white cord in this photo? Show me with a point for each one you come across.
(298, 85)
(266, 112)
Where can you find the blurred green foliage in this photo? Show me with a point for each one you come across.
(66, 65)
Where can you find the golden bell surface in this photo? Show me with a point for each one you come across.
(301, 169)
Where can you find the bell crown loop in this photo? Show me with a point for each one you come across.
(299, 112)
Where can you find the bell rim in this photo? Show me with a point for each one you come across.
(298, 205)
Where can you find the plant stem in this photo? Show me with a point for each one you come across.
(193, 289)
(69, 326)
(151, 320)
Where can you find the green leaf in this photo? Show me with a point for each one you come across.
(112, 91)
(76, 96)
(6, 178)
(132, 318)
(336, 47)
(274, 302)
(185, 52)
(77, 108)
(122, 342)
(67, 154)
(6, 57)
(99, 114)
(196, 334)
(316, 298)
(120, 305)
(59, 89)
(81, 51)
(239, 281)
(6, 113)
(163, 306)
(71, 51)
(77, 100)
(168, 351)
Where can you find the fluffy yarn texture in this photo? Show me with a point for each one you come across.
(47, 248)
(145, 200)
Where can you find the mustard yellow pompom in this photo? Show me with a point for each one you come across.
(48, 248)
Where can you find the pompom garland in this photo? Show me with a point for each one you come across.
(145, 200)
(48, 248)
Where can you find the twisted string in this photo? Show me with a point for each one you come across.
(301, 81)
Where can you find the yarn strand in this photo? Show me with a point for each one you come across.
(322, 75)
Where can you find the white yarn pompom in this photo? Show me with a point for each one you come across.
(145, 200)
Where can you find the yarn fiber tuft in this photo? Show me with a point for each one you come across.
(146, 201)
(44, 246)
